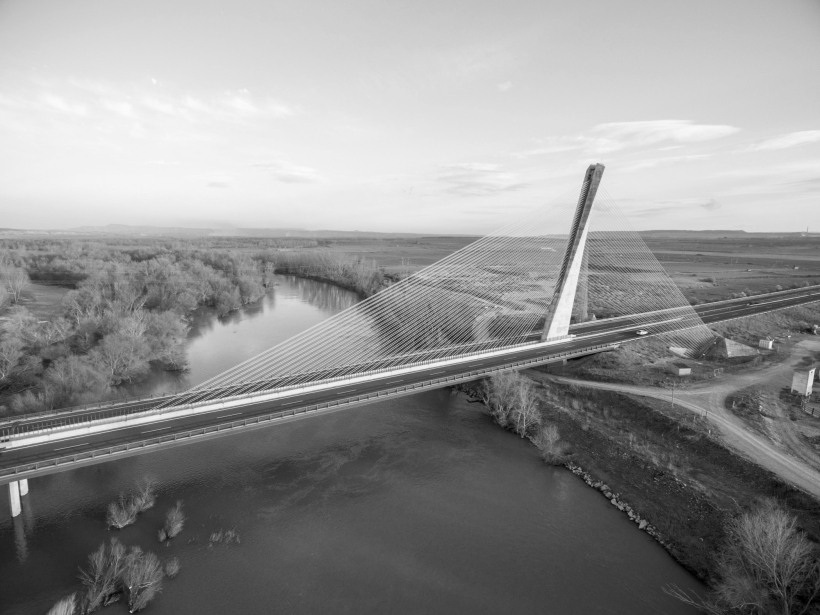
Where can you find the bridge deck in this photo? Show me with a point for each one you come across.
(136, 426)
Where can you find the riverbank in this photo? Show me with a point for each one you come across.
(660, 466)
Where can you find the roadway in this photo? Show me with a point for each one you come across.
(587, 335)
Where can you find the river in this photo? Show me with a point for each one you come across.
(415, 505)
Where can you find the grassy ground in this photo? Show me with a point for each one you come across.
(44, 300)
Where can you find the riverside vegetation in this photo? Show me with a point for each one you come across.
(751, 538)
(130, 304)
(114, 572)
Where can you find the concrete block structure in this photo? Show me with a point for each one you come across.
(766, 344)
(803, 381)
(559, 313)
(680, 369)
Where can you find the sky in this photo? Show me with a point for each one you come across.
(445, 116)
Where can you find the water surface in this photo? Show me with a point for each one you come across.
(415, 505)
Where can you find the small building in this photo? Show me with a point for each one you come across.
(766, 344)
(680, 369)
(802, 381)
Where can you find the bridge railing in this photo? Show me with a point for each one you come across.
(157, 442)
(149, 406)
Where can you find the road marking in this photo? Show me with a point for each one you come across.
(293, 402)
(224, 416)
(160, 429)
(441, 372)
(72, 446)
(348, 391)
(394, 381)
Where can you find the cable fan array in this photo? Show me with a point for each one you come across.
(623, 278)
(491, 294)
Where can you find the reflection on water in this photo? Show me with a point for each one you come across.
(217, 344)
(413, 505)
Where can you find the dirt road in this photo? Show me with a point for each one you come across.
(708, 401)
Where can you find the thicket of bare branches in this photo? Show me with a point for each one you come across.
(141, 578)
(14, 281)
(767, 566)
(174, 520)
(101, 579)
(65, 606)
(548, 440)
(512, 401)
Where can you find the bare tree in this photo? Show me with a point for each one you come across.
(10, 354)
(15, 280)
(525, 414)
(767, 566)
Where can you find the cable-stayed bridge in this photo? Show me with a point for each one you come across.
(525, 295)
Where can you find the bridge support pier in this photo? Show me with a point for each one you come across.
(23, 486)
(559, 312)
(14, 498)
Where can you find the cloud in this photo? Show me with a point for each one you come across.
(477, 179)
(290, 173)
(219, 184)
(790, 139)
(617, 136)
(504, 87)
(59, 103)
(673, 206)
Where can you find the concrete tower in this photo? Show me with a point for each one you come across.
(559, 312)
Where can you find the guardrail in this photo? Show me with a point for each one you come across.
(154, 443)
(148, 407)
(109, 411)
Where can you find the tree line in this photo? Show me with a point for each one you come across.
(129, 307)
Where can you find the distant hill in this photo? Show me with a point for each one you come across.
(181, 231)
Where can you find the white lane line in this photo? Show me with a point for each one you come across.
(348, 391)
(294, 402)
(394, 381)
(72, 446)
(224, 416)
(160, 429)
(434, 373)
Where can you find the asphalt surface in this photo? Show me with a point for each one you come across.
(587, 335)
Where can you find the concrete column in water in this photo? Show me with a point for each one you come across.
(14, 498)
(23, 486)
(559, 312)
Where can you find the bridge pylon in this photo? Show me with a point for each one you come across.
(559, 313)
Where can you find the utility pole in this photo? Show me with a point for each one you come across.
(673, 393)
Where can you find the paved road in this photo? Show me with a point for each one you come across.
(587, 335)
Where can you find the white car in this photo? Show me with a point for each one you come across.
(641, 332)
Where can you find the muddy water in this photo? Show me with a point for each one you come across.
(416, 505)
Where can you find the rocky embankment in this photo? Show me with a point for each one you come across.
(616, 501)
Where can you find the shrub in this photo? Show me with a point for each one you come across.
(162, 535)
(123, 512)
(146, 495)
(172, 567)
(548, 441)
(174, 520)
(141, 578)
(105, 566)
(226, 536)
(65, 606)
